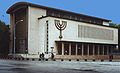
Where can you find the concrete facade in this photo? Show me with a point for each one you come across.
(71, 34)
(33, 28)
(43, 34)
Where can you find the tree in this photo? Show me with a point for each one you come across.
(4, 39)
(115, 25)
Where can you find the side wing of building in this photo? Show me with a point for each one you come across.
(89, 35)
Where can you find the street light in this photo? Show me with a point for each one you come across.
(52, 49)
(15, 36)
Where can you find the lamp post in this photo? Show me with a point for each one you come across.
(26, 51)
(15, 36)
(52, 49)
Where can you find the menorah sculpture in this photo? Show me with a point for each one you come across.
(60, 27)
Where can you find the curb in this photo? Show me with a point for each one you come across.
(85, 60)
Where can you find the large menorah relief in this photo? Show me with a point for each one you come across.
(60, 27)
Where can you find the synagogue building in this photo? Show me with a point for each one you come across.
(67, 34)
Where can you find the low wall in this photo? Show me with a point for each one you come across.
(73, 57)
(97, 57)
(116, 57)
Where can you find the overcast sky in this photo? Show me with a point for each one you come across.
(108, 9)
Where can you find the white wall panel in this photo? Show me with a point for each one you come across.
(71, 33)
(33, 28)
(105, 35)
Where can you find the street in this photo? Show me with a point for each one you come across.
(11, 66)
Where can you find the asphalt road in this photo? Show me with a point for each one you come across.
(11, 66)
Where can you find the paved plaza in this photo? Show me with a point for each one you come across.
(11, 66)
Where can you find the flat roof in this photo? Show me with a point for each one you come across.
(77, 21)
(19, 4)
